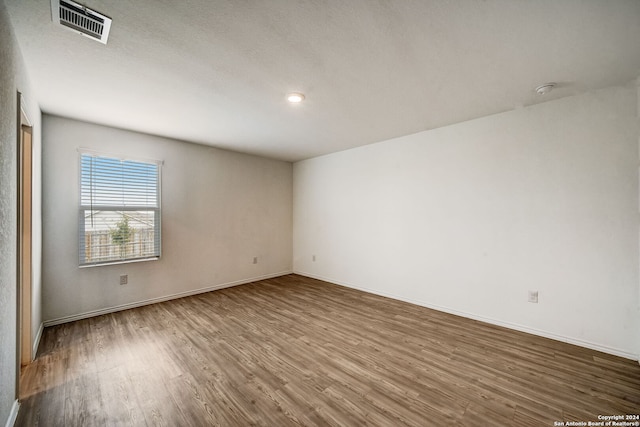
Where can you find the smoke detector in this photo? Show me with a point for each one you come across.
(545, 88)
(81, 19)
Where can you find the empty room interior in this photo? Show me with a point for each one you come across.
(347, 213)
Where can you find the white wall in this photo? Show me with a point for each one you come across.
(219, 210)
(13, 78)
(470, 217)
(35, 116)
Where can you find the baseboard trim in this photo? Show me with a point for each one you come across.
(127, 306)
(13, 415)
(515, 326)
(36, 342)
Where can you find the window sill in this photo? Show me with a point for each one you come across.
(127, 261)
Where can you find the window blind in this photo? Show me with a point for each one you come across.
(119, 209)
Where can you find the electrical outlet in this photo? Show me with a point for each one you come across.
(533, 296)
(313, 258)
(124, 279)
(255, 259)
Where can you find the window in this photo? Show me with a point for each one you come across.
(119, 209)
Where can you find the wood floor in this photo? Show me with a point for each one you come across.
(297, 351)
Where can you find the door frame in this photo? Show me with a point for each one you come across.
(24, 255)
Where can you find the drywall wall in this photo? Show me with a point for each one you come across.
(638, 126)
(219, 210)
(468, 218)
(34, 116)
(13, 78)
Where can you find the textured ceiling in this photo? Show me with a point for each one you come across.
(217, 72)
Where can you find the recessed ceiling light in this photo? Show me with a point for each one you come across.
(295, 97)
(545, 88)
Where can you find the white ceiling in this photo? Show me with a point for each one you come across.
(217, 72)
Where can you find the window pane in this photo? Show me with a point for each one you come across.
(119, 209)
(115, 182)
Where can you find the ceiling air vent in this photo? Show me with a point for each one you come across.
(81, 19)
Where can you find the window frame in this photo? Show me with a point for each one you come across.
(109, 208)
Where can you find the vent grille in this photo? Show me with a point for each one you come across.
(81, 19)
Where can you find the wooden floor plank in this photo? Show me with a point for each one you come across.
(294, 351)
